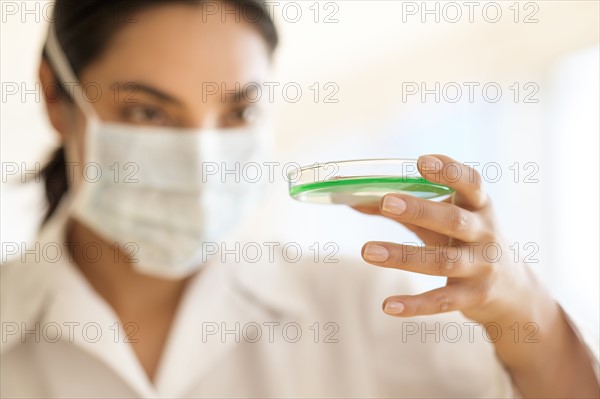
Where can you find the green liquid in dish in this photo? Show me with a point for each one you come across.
(367, 190)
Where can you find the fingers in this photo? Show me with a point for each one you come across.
(427, 236)
(465, 180)
(447, 219)
(440, 300)
(449, 260)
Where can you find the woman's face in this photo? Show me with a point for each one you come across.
(175, 66)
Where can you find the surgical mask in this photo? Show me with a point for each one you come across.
(161, 193)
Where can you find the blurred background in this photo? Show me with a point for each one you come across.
(511, 87)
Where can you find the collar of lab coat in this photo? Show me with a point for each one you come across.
(220, 293)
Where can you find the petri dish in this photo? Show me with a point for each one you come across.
(362, 182)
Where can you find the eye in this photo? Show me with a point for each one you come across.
(240, 116)
(146, 115)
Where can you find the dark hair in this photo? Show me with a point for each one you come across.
(84, 29)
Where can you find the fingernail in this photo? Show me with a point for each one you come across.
(376, 253)
(393, 205)
(393, 307)
(430, 163)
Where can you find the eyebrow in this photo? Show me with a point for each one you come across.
(140, 87)
(161, 95)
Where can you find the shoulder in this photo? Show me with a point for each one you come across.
(22, 286)
(23, 289)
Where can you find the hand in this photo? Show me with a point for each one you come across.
(462, 244)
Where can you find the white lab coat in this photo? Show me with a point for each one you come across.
(322, 334)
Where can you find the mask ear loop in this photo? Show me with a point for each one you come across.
(65, 75)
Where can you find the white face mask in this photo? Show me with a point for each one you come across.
(161, 192)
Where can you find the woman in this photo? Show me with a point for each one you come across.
(146, 315)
